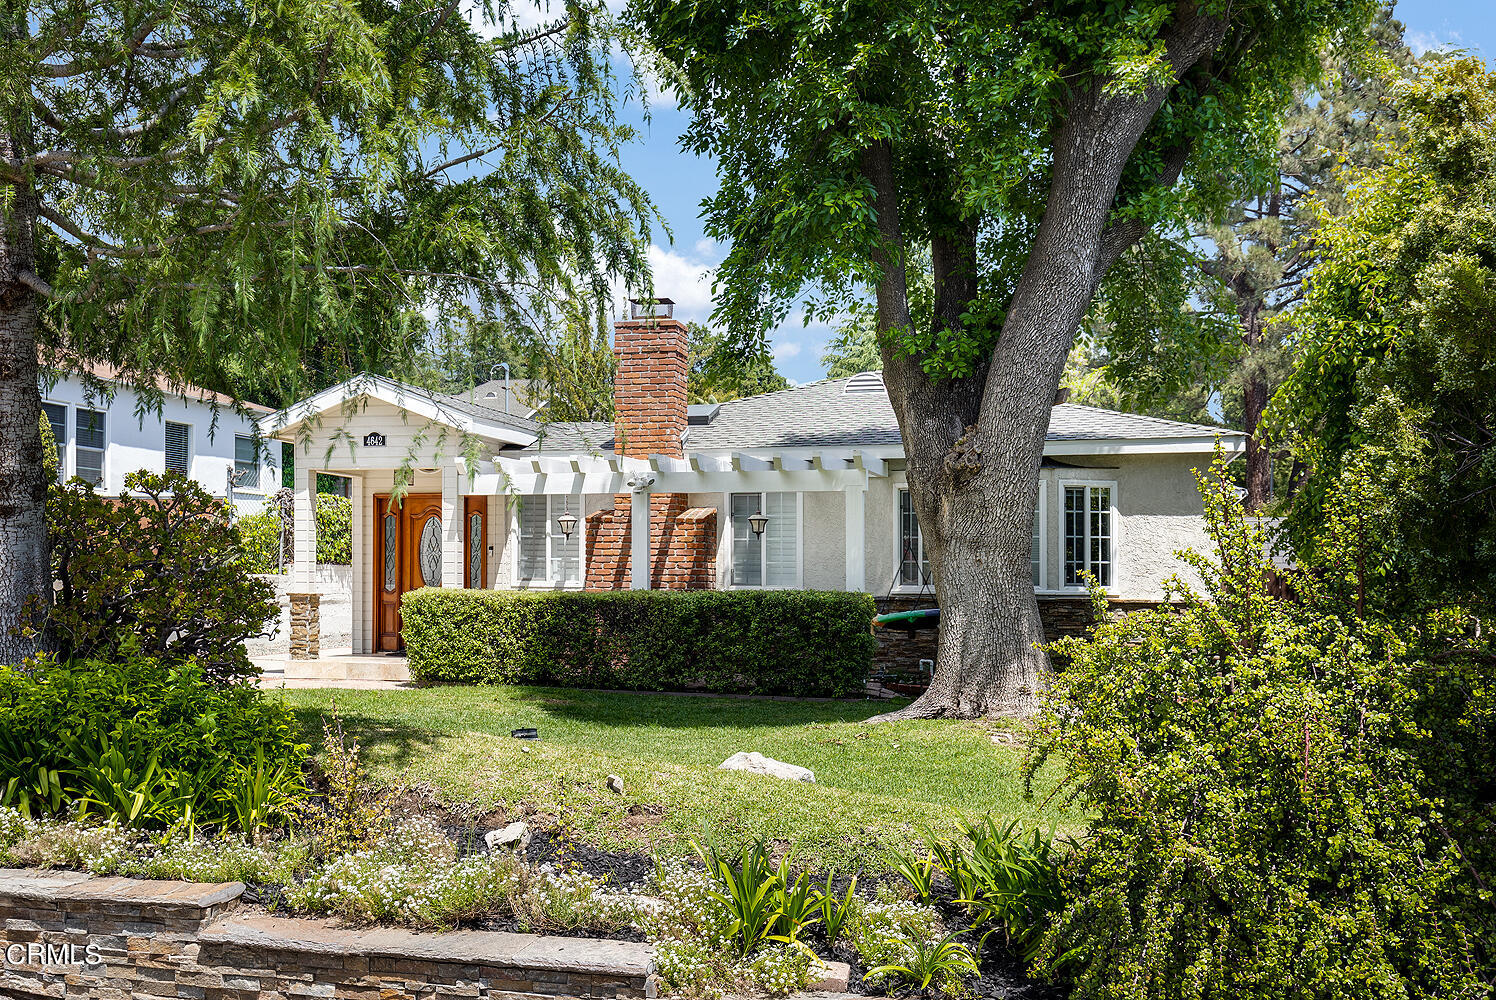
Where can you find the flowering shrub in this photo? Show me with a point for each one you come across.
(1292, 797)
(409, 875)
(551, 898)
(882, 932)
(696, 951)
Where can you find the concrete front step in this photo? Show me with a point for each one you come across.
(389, 669)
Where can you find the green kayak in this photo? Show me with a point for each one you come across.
(909, 621)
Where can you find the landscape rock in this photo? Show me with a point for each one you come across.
(757, 763)
(514, 837)
(615, 784)
(829, 977)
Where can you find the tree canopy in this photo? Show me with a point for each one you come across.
(1032, 155)
(269, 194)
(1396, 378)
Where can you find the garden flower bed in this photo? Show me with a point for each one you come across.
(431, 871)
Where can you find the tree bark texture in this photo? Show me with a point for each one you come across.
(974, 445)
(24, 570)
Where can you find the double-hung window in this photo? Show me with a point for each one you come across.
(246, 463)
(547, 555)
(57, 419)
(88, 449)
(914, 561)
(770, 558)
(1088, 533)
(177, 457)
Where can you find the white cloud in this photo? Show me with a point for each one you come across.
(787, 349)
(1422, 42)
(686, 278)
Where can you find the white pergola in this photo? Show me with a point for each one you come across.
(841, 470)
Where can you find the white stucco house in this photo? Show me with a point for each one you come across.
(800, 488)
(104, 431)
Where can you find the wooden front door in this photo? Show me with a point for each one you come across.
(407, 556)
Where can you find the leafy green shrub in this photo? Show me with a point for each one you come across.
(789, 642)
(141, 742)
(1291, 798)
(1007, 878)
(262, 539)
(155, 572)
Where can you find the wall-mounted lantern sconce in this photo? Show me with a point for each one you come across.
(567, 522)
(758, 522)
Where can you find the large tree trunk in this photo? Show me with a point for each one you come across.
(24, 573)
(1254, 403)
(974, 445)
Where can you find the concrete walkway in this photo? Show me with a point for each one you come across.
(335, 668)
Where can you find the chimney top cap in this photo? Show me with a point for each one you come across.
(660, 308)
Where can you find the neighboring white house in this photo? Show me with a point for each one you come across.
(103, 436)
(800, 488)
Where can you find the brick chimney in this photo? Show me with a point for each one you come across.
(649, 406)
(649, 386)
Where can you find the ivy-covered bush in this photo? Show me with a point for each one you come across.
(138, 741)
(787, 642)
(262, 537)
(155, 572)
(1293, 797)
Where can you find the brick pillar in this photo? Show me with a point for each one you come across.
(306, 626)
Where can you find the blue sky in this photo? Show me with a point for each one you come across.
(679, 181)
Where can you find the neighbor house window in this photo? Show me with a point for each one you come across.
(246, 463)
(176, 447)
(88, 452)
(914, 561)
(771, 559)
(57, 419)
(1088, 534)
(546, 554)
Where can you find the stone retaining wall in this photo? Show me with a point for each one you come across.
(899, 653)
(66, 935)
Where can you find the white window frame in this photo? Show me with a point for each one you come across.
(799, 583)
(103, 483)
(1040, 512)
(259, 463)
(515, 522)
(188, 427)
(1116, 515)
(65, 446)
(899, 586)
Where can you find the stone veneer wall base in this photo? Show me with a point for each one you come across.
(66, 935)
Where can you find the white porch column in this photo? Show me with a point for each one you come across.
(856, 539)
(306, 619)
(304, 533)
(639, 538)
(452, 527)
(363, 619)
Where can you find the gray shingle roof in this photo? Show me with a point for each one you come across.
(824, 415)
(490, 413)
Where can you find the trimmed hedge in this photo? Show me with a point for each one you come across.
(805, 643)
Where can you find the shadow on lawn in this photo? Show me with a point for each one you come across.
(394, 744)
(690, 711)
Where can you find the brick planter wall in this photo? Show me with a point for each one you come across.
(683, 544)
(66, 935)
(900, 652)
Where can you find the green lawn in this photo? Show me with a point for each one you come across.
(876, 785)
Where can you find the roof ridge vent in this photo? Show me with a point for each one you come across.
(864, 382)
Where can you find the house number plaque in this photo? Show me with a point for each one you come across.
(373, 439)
